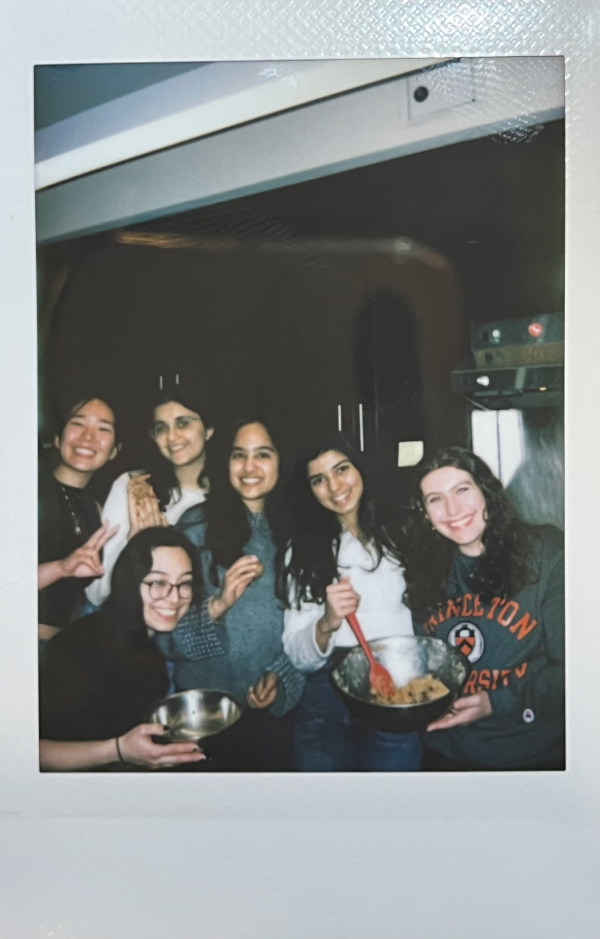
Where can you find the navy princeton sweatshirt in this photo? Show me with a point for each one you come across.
(516, 649)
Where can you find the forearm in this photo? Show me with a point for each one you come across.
(291, 684)
(62, 755)
(300, 638)
(47, 632)
(216, 608)
(195, 638)
(49, 573)
(322, 635)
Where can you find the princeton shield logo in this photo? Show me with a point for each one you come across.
(468, 639)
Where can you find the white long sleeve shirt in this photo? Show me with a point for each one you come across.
(381, 611)
(116, 511)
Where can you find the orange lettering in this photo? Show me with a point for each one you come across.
(484, 679)
(471, 682)
(441, 616)
(477, 607)
(495, 673)
(495, 603)
(520, 670)
(524, 626)
(465, 609)
(504, 675)
(508, 613)
(453, 609)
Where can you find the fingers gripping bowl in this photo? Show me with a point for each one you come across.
(194, 715)
(406, 658)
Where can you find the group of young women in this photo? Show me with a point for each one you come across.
(230, 574)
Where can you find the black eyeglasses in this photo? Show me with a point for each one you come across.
(161, 589)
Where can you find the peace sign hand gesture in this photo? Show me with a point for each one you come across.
(85, 561)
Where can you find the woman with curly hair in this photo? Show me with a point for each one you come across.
(341, 559)
(493, 587)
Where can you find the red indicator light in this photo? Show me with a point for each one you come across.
(536, 330)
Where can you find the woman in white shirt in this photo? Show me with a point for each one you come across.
(175, 480)
(340, 560)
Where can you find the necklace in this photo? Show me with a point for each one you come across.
(74, 516)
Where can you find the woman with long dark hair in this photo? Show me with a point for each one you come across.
(493, 587)
(173, 480)
(71, 533)
(237, 534)
(340, 560)
(99, 679)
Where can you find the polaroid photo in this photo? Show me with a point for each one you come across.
(307, 339)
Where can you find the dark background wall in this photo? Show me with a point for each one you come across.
(289, 303)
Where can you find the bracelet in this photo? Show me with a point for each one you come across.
(326, 633)
(219, 616)
(121, 760)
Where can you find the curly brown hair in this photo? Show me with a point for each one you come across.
(502, 569)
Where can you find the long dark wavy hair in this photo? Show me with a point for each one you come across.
(503, 568)
(227, 520)
(124, 606)
(163, 477)
(314, 535)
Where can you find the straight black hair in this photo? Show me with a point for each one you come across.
(227, 519)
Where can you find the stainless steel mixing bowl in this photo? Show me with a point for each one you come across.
(405, 657)
(195, 714)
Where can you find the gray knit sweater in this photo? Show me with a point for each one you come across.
(233, 653)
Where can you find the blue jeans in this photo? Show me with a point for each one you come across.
(329, 739)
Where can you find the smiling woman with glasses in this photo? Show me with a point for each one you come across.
(162, 589)
(173, 480)
(101, 677)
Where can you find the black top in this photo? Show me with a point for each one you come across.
(97, 681)
(67, 517)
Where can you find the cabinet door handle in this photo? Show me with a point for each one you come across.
(340, 418)
(360, 428)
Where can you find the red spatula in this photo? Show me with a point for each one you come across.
(381, 680)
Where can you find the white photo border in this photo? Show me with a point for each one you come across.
(273, 855)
